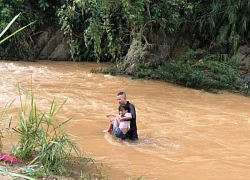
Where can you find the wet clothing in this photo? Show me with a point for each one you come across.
(118, 133)
(132, 133)
(124, 125)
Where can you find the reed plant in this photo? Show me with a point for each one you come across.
(14, 33)
(42, 138)
(43, 146)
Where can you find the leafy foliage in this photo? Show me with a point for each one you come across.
(225, 21)
(104, 29)
(209, 74)
(42, 137)
(21, 46)
(14, 33)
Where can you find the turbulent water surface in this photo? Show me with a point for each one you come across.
(184, 134)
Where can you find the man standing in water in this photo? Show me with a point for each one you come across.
(132, 133)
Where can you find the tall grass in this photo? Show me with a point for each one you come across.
(1, 41)
(45, 147)
(42, 138)
(14, 33)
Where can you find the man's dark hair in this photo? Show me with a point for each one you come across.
(122, 94)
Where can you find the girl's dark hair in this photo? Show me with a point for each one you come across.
(123, 106)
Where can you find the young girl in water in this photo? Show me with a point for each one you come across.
(120, 128)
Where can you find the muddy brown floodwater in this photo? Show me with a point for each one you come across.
(184, 134)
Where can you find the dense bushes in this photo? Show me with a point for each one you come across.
(103, 30)
(212, 73)
(208, 75)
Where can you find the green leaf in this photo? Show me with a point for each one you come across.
(16, 32)
(8, 26)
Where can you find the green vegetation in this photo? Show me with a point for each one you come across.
(14, 175)
(22, 46)
(14, 33)
(190, 43)
(42, 137)
(212, 73)
(44, 148)
(103, 30)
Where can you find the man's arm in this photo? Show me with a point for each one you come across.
(127, 117)
(132, 111)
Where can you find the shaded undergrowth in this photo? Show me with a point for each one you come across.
(211, 73)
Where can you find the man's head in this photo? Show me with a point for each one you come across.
(121, 98)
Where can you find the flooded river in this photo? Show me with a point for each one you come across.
(184, 134)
